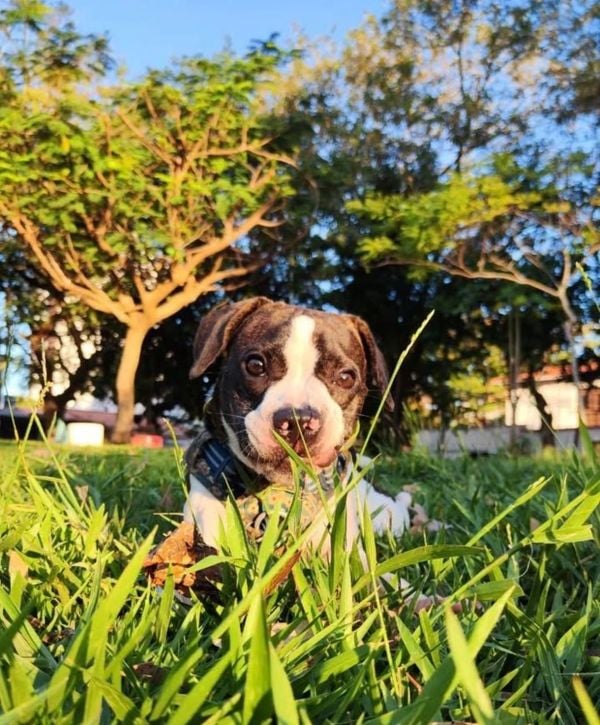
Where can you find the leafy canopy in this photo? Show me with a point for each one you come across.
(132, 190)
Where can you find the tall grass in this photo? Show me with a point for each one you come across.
(84, 638)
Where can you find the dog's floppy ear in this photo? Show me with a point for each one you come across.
(216, 330)
(377, 371)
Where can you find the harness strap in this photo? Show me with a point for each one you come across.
(214, 465)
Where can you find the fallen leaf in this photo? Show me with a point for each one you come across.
(181, 549)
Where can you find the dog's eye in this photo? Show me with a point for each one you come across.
(255, 365)
(346, 378)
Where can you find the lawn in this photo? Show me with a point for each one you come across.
(84, 638)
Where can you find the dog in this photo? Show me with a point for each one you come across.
(284, 373)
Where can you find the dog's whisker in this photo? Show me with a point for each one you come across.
(232, 415)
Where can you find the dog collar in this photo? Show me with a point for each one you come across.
(212, 462)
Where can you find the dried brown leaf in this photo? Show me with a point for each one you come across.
(177, 554)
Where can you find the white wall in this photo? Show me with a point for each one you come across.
(492, 440)
(561, 399)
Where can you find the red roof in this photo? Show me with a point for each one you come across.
(560, 373)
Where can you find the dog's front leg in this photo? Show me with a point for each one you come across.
(387, 514)
(205, 511)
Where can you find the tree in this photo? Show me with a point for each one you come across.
(518, 225)
(410, 97)
(64, 337)
(136, 200)
(571, 34)
(420, 100)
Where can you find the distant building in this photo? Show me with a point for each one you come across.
(554, 383)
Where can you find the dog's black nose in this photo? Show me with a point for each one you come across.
(297, 424)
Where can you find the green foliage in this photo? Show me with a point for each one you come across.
(490, 218)
(129, 185)
(84, 637)
(133, 199)
(41, 44)
(451, 141)
(428, 224)
(479, 395)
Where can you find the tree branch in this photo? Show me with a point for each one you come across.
(513, 275)
(139, 134)
(195, 288)
(89, 293)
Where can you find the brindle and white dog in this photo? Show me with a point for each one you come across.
(300, 373)
(304, 375)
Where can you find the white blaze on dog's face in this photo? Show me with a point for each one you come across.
(300, 391)
(300, 374)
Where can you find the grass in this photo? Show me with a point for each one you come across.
(84, 638)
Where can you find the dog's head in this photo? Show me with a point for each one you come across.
(300, 373)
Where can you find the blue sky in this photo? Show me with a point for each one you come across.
(151, 33)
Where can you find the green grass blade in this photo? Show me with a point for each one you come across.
(122, 706)
(445, 679)
(165, 609)
(587, 444)
(258, 697)
(176, 678)
(417, 556)
(585, 701)
(284, 702)
(468, 676)
(189, 705)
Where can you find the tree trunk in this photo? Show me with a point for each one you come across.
(570, 335)
(125, 385)
(514, 357)
(569, 328)
(547, 430)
